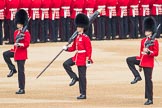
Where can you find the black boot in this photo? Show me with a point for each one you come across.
(136, 79)
(11, 73)
(74, 80)
(20, 91)
(148, 102)
(81, 96)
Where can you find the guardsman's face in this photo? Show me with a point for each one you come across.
(19, 26)
(148, 33)
(80, 29)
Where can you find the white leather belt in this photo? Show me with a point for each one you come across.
(81, 51)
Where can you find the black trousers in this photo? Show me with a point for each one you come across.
(72, 26)
(158, 20)
(6, 29)
(9, 28)
(89, 31)
(133, 25)
(12, 29)
(101, 27)
(141, 29)
(44, 24)
(65, 29)
(82, 74)
(54, 30)
(34, 29)
(1, 33)
(111, 28)
(7, 55)
(160, 17)
(123, 27)
(131, 61)
(21, 74)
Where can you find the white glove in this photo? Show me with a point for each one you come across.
(18, 44)
(88, 63)
(65, 47)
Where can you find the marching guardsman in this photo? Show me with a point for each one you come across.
(44, 24)
(65, 20)
(35, 20)
(133, 18)
(11, 9)
(19, 52)
(77, 7)
(100, 21)
(111, 19)
(54, 19)
(146, 59)
(83, 48)
(156, 11)
(89, 6)
(144, 11)
(122, 13)
(2, 6)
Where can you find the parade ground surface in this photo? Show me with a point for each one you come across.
(108, 79)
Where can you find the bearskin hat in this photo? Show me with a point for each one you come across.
(82, 20)
(21, 17)
(149, 24)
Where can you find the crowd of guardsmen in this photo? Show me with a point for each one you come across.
(53, 20)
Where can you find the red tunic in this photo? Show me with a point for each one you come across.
(89, 6)
(35, 9)
(111, 8)
(101, 4)
(45, 9)
(83, 48)
(55, 9)
(122, 8)
(156, 7)
(133, 8)
(148, 60)
(11, 6)
(77, 7)
(144, 7)
(65, 8)
(2, 5)
(20, 53)
(25, 4)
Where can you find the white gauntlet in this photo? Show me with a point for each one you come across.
(65, 48)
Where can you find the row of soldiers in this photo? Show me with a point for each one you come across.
(53, 19)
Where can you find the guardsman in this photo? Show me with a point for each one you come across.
(145, 60)
(83, 48)
(35, 20)
(19, 52)
(65, 20)
(54, 19)
(77, 7)
(156, 11)
(122, 13)
(44, 24)
(100, 21)
(2, 6)
(111, 19)
(133, 18)
(11, 9)
(89, 6)
(144, 11)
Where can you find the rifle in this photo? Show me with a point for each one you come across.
(91, 19)
(151, 41)
(20, 36)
